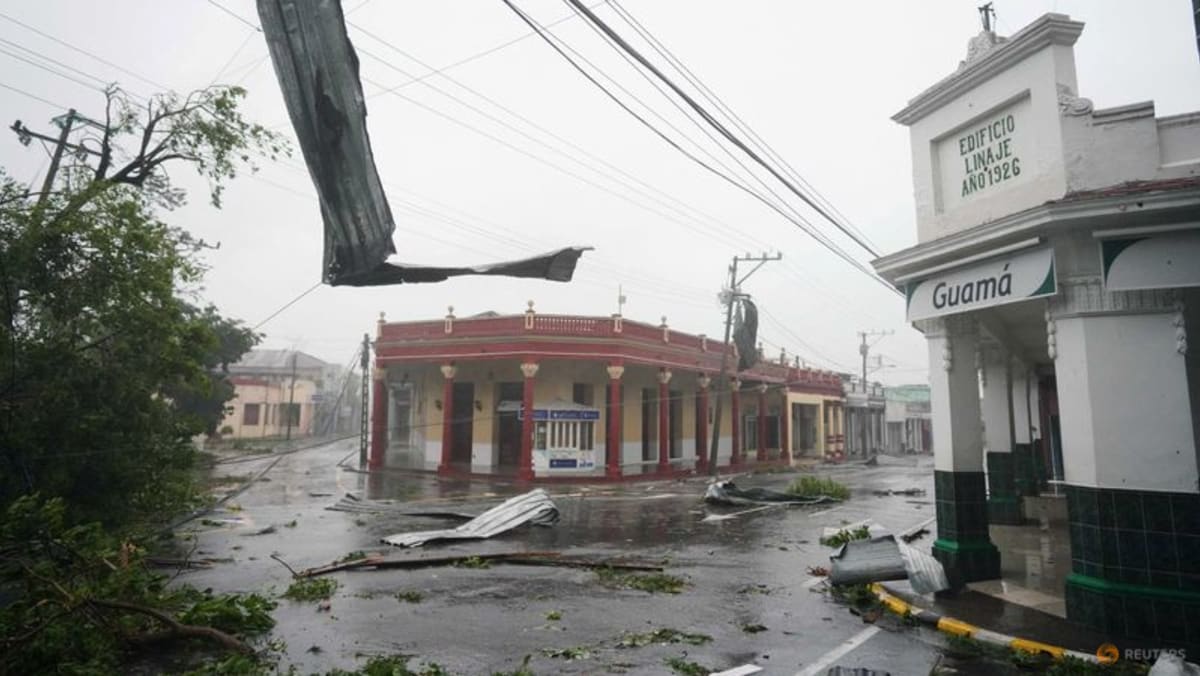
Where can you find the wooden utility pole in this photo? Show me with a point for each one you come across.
(364, 420)
(291, 401)
(735, 285)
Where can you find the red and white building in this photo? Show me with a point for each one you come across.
(610, 399)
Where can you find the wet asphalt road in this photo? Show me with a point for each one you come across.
(749, 569)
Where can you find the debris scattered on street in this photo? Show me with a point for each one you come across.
(382, 562)
(911, 492)
(818, 571)
(727, 493)
(915, 535)
(534, 507)
(262, 531)
(879, 559)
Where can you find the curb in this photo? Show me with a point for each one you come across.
(949, 625)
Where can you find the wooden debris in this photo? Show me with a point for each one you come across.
(382, 562)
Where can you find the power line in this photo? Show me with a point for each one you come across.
(812, 233)
(35, 97)
(599, 23)
(235, 15)
(738, 122)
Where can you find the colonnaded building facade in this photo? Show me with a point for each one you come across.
(1056, 270)
(610, 399)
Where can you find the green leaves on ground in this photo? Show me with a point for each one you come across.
(648, 582)
(814, 487)
(843, 536)
(664, 636)
(311, 589)
(233, 613)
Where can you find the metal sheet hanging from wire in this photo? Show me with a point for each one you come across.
(317, 69)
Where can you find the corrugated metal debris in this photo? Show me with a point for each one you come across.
(317, 69)
(534, 507)
(879, 559)
(727, 493)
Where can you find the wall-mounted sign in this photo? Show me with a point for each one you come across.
(1163, 261)
(570, 414)
(985, 155)
(999, 281)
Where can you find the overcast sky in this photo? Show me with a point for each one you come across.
(818, 81)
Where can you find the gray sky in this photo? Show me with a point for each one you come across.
(818, 81)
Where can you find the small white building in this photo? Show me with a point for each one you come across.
(1056, 270)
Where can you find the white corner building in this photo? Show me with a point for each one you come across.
(1055, 280)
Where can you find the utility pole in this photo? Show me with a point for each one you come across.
(364, 364)
(291, 400)
(864, 349)
(735, 286)
(66, 123)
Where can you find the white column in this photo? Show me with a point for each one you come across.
(954, 395)
(1122, 389)
(995, 399)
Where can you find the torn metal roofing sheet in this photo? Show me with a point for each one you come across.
(534, 507)
(317, 70)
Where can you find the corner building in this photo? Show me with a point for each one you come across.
(1055, 279)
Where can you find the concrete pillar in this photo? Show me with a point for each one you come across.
(379, 412)
(735, 417)
(448, 372)
(963, 545)
(995, 373)
(785, 417)
(1129, 455)
(702, 384)
(525, 463)
(664, 421)
(761, 419)
(612, 439)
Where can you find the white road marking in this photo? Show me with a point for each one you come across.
(743, 670)
(725, 517)
(837, 653)
(826, 511)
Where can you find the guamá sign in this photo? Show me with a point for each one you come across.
(998, 281)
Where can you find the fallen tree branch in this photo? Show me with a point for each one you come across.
(379, 562)
(175, 628)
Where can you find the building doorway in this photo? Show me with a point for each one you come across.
(508, 425)
(805, 430)
(462, 422)
(649, 424)
(675, 423)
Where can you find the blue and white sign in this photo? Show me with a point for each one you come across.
(553, 414)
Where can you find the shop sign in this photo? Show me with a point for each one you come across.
(552, 414)
(1164, 261)
(1005, 279)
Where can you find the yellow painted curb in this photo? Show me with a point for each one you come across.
(956, 627)
(1025, 645)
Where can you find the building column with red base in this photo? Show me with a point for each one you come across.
(448, 372)
(762, 422)
(785, 420)
(664, 421)
(379, 408)
(702, 423)
(525, 463)
(612, 439)
(735, 419)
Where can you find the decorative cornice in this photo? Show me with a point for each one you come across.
(1087, 296)
(1023, 224)
(1072, 105)
(529, 369)
(1049, 29)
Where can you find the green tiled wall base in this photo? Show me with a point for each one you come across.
(1003, 505)
(963, 545)
(1134, 564)
(1135, 616)
(1005, 511)
(1027, 473)
(968, 561)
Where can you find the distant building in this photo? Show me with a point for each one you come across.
(1056, 271)
(543, 396)
(907, 416)
(276, 390)
(864, 429)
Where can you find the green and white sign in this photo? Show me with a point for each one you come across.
(1165, 261)
(1005, 279)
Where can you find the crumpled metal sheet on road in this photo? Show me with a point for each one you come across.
(880, 559)
(535, 508)
(727, 493)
